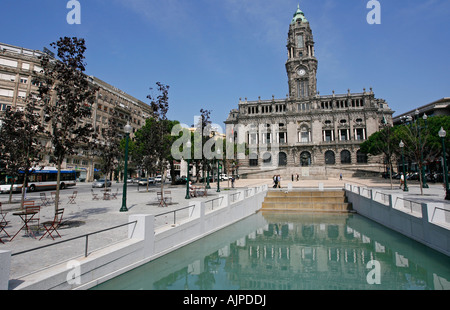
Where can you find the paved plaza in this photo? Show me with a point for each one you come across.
(87, 216)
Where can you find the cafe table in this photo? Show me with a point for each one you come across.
(26, 216)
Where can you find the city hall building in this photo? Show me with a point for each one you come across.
(306, 133)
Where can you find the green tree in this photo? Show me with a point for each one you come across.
(67, 98)
(109, 150)
(19, 142)
(384, 142)
(159, 138)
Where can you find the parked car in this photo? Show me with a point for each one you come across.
(142, 181)
(151, 180)
(158, 178)
(223, 177)
(101, 183)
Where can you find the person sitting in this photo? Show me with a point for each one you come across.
(192, 192)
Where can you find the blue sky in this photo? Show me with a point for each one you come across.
(211, 52)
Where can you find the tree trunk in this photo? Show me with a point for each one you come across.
(24, 189)
(58, 183)
(11, 191)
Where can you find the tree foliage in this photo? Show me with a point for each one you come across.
(19, 141)
(67, 98)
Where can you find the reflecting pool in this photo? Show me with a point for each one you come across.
(295, 251)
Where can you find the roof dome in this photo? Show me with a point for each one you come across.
(299, 15)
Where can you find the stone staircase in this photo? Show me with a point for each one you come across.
(306, 200)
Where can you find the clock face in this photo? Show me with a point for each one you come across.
(301, 72)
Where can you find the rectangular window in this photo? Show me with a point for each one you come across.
(300, 41)
(8, 63)
(253, 138)
(304, 137)
(282, 138)
(7, 77)
(6, 92)
(343, 134)
(328, 136)
(302, 89)
(3, 107)
(360, 134)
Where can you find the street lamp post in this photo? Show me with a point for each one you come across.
(442, 134)
(405, 187)
(188, 144)
(207, 177)
(424, 179)
(127, 130)
(218, 172)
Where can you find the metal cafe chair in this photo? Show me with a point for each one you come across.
(51, 227)
(44, 199)
(3, 223)
(2, 228)
(168, 196)
(2, 215)
(72, 197)
(94, 195)
(114, 195)
(161, 201)
(34, 219)
(53, 194)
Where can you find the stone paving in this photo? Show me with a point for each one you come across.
(87, 216)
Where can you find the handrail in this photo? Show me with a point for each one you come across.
(212, 201)
(411, 202)
(434, 211)
(174, 213)
(233, 196)
(384, 197)
(74, 238)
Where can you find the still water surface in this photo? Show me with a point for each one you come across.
(276, 251)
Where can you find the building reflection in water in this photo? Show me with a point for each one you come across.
(275, 251)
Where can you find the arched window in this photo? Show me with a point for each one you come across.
(253, 160)
(329, 158)
(267, 158)
(361, 158)
(305, 159)
(282, 159)
(346, 157)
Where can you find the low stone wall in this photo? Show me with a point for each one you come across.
(427, 223)
(144, 244)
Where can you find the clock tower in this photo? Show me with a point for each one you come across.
(301, 65)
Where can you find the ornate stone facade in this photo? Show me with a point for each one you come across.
(306, 133)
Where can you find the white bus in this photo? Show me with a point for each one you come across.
(40, 179)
